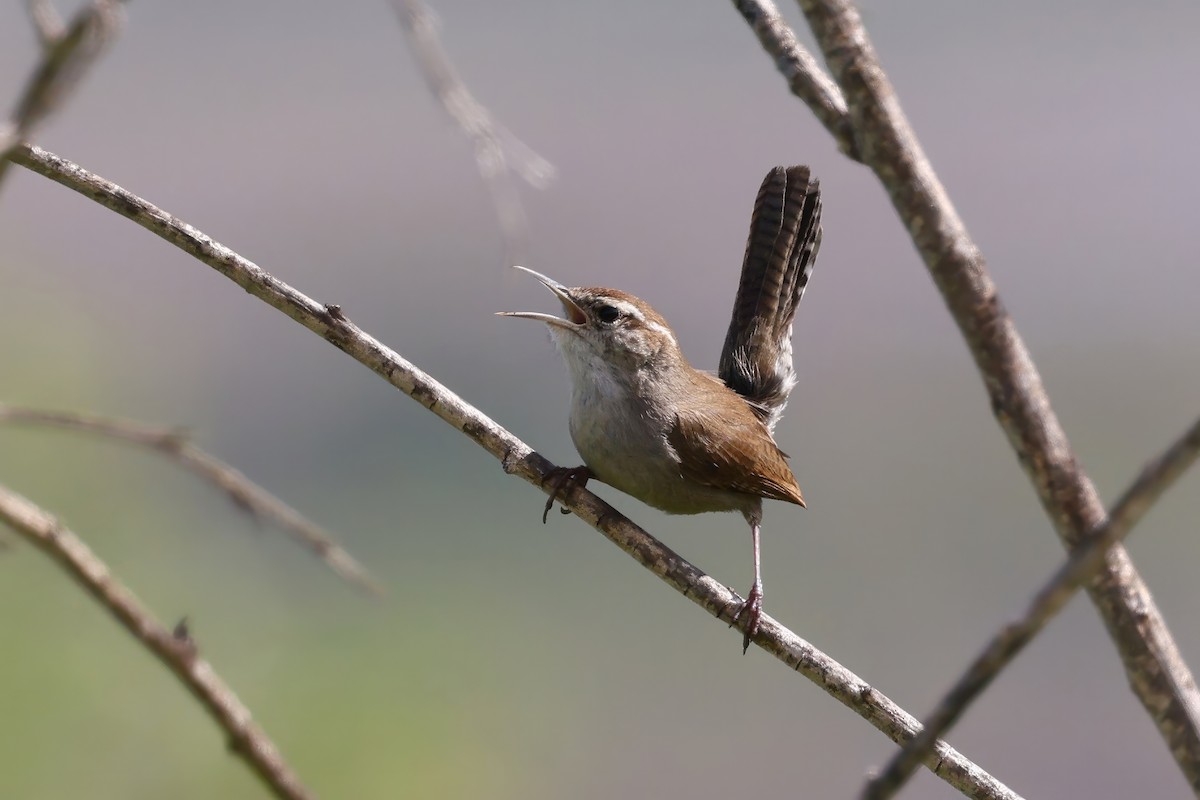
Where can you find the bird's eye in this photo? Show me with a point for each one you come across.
(608, 314)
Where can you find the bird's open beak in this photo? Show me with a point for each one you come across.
(574, 314)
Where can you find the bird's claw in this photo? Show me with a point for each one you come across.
(558, 478)
(751, 609)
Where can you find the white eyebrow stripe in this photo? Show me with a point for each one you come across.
(633, 311)
(628, 308)
(663, 329)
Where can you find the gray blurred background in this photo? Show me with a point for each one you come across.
(514, 659)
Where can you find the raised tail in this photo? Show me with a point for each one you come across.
(785, 233)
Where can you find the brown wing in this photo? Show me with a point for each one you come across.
(785, 234)
(732, 450)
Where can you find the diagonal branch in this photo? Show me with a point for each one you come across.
(175, 650)
(1082, 564)
(497, 152)
(245, 494)
(66, 58)
(888, 145)
(804, 75)
(518, 459)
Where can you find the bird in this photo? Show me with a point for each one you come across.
(680, 439)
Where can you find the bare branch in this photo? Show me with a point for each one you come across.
(517, 458)
(245, 494)
(177, 652)
(64, 62)
(1083, 563)
(497, 151)
(46, 22)
(888, 145)
(804, 75)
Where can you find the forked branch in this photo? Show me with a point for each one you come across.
(67, 54)
(887, 144)
(498, 153)
(1082, 564)
(803, 73)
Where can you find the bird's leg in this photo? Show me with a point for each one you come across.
(751, 608)
(558, 478)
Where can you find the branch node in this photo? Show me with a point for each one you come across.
(185, 644)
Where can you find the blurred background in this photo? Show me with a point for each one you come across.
(513, 659)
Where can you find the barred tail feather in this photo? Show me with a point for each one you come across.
(785, 234)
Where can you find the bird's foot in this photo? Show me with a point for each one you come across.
(751, 611)
(558, 479)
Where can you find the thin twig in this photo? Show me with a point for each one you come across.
(517, 458)
(65, 60)
(803, 73)
(497, 152)
(177, 652)
(888, 145)
(46, 22)
(245, 494)
(1083, 563)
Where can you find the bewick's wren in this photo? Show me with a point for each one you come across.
(681, 440)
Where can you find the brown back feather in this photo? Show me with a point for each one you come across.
(726, 446)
